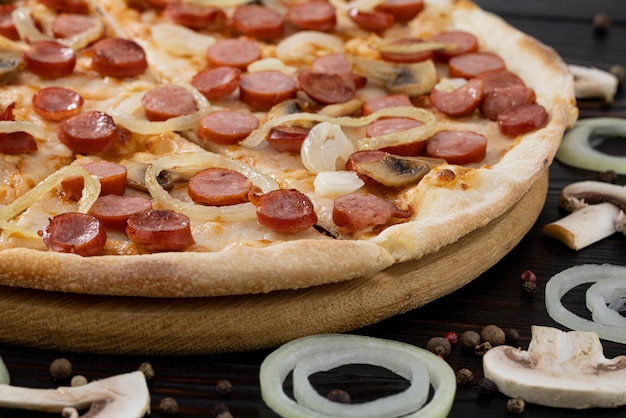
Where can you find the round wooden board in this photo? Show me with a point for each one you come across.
(124, 325)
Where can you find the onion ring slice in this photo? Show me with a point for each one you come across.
(196, 161)
(605, 298)
(566, 280)
(577, 148)
(279, 363)
(403, 364)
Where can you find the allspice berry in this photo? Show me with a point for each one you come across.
(440, 346)
(340, 396)
(60, 368)
(147, 370)
(223, 388)
(469, 340)
(493, 335)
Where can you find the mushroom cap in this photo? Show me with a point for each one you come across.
(560, 369)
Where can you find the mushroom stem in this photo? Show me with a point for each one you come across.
(585, 226)
(124, 395)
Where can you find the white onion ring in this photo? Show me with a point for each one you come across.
(27, 30)
(325, 148)
(198, 161)
(8, 126)
(335, 183)
(304, 46)
(605, 298)
(566, 280)
(419, 133)
(401, 363)
(124, 115)
(578, 151)
(278, 364)
(179, 40)
(91, 191)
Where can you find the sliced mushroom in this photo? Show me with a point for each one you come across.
(411, 79)
(136, 176)
(395, 171)
(10, 64)
(590, 83)
(560, 369)
(597, 212)
(124, 395)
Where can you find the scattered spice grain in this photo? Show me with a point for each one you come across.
(60, 368)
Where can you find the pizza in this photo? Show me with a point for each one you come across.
(190, 148)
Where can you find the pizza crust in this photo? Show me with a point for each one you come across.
(290, 265)
(447, 209)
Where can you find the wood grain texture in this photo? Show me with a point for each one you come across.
(242, 323)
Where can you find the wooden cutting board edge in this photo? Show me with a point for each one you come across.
(124, 325)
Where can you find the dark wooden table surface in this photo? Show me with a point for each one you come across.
(493, 298)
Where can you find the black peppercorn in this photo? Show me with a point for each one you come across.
(486, 387)
(511, 337)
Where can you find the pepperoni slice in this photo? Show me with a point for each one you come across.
(402, 10)
(168, 101)
(114, 210)
(264, 89)
(219, 187)
(7, 26)
(381, 102)
(112, 177)
(373, 21)
(217, 83)
(49, 59)
(17, 143)
(73, 232)
(160, 230)
(502, 99)
(191, 15)
(364, 156)
(327, 88)
(392, 125)
(337, 63)
(407, 57)
(355, 211)
(461, 101)
(238, 53)
(457, 147)
(68, 6)
(498, 78)
(118, 57)
(88, 132)
(522, 119)
(287, 138)
(66, 25)
(57, 103)
(470, 65)
(257, 21)
(312, 15)
(285, 210)
(460, 42)
(226, 126)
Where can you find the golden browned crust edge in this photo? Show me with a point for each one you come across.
(290, 265)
